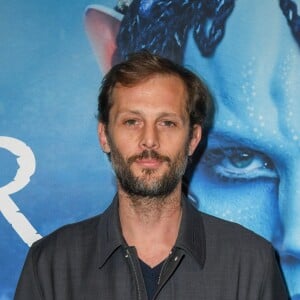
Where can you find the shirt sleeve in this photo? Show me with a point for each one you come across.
(273, 285)
(27, 287)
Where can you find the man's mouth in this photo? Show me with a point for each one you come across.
(149, 163)
(149, 159)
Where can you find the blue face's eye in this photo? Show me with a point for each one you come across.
(239, 163)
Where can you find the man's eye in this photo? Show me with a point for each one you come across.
(168, 123)
(131, 122)
(238, 163)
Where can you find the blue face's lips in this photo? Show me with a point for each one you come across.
(296, 297)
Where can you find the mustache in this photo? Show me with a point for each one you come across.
(152, 154)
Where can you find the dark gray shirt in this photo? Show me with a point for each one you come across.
(212, 259)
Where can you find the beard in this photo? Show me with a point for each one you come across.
(148, 185)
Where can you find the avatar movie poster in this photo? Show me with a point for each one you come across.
(53, 56)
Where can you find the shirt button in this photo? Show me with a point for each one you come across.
(175, 258)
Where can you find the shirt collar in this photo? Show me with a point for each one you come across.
(109, 233)
(191, 236)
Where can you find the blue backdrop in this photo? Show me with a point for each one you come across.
(52, 171)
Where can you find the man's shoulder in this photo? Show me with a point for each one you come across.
(230, 234)
(68, 237)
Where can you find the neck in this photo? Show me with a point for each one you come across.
(151, 224)
(148, 210)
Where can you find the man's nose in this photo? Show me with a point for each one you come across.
(289, 208)
(149, 137)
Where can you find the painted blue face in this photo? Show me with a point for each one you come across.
(250, 172)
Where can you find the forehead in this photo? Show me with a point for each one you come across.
(254, 75)
(157, 90)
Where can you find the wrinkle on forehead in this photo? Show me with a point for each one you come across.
(254, 74)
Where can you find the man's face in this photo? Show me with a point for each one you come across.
(148, 136)
(250, 171)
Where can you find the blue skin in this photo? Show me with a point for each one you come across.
(250, 171)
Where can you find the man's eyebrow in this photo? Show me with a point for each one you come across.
(126, 112)
(160, 115)
(169, 114)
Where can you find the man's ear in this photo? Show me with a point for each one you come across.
(102, 26)
(103, 137)
(195, 139)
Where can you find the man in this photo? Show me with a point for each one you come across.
(151, 243)
(248, 53)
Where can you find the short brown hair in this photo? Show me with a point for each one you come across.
(141, 65)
